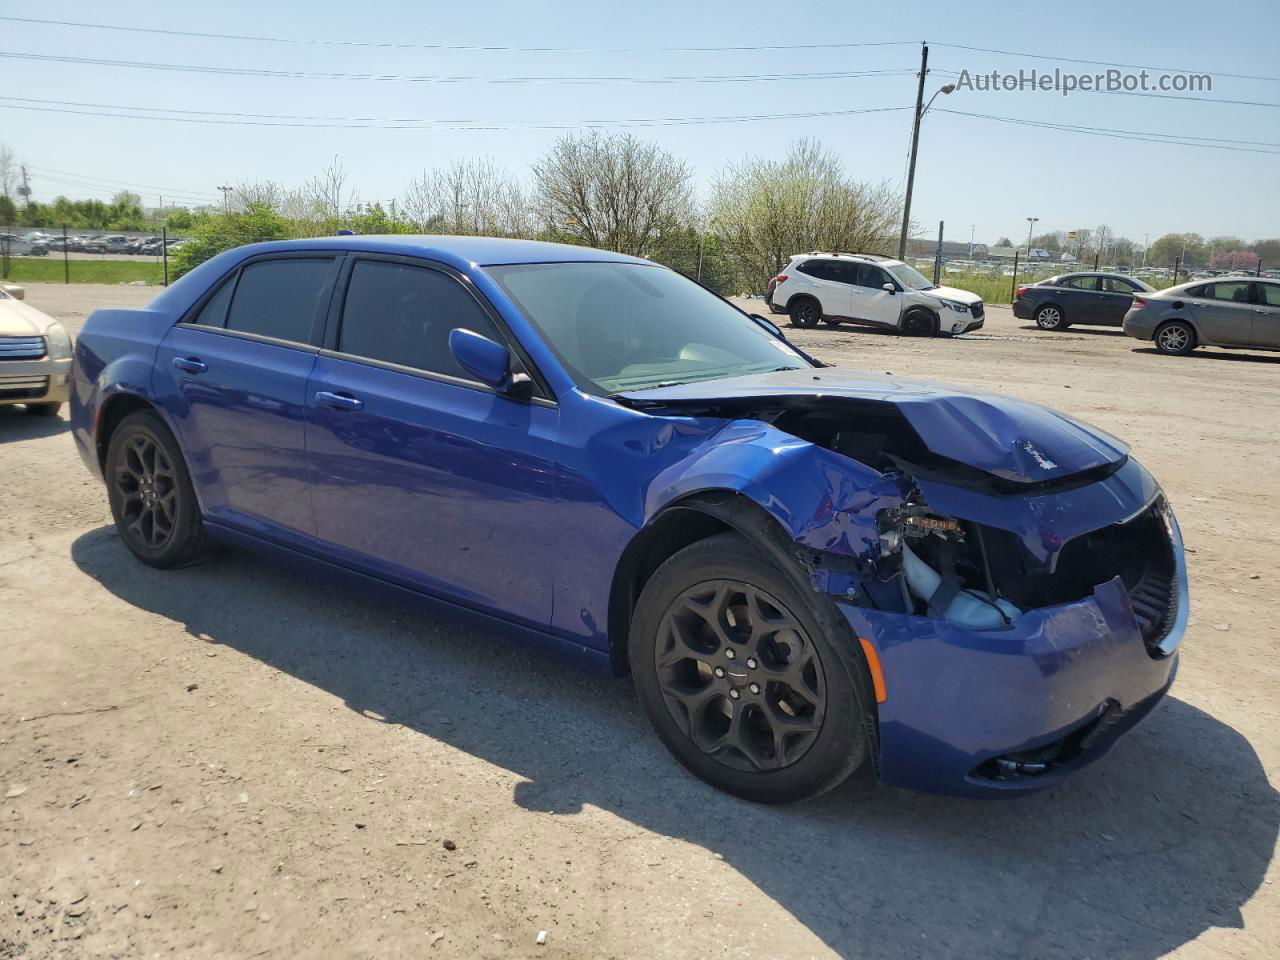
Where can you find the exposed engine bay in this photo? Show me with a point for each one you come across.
(975, 575)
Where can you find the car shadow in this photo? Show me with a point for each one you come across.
(1208, 353)
(16, 424)
(1165, 838)
(1077, 328)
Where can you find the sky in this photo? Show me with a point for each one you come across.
(982, 177)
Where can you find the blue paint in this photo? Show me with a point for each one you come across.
(517, 508)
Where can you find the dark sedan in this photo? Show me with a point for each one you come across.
(1087, 298)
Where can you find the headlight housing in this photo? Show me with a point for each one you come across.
(58, 339)
(955, 305)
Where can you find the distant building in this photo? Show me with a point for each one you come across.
(1007, 253)
(950, 249)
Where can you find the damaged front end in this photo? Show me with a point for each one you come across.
(1020, 578)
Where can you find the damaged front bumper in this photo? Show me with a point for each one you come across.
(1016, 708)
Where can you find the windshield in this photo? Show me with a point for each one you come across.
(620, 327)
(910, 277)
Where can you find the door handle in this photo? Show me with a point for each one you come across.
(190, 364)
(339, 401)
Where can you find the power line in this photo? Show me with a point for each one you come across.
(123, 183)
(1169, 138)
(396, 45)
(374, 123)
(1098, 63)
(401, 78)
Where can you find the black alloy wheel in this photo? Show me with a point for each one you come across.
(152, 500)
(806, 313)
(754, 683)
(739, 676)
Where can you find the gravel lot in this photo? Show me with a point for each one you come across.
(233, 760)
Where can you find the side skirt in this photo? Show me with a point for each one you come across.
(596, 661)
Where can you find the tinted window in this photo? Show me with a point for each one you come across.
(1236, 291)
(1116, 285)
(214, 313)
(869, 276)
(1269, 293)
(821, 269)
(279, 298)
(404, 314)
(1081, 283)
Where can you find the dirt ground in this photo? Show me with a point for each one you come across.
(235, 761)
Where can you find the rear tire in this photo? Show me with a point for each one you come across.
(152, 501)
(805, 312)
(741, 680)
(1051, 317)
(1175, 338)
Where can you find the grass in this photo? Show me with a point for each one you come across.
(1000, 289)
(50, 270)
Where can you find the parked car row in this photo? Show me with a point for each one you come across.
(1239, 312)
(39, 244)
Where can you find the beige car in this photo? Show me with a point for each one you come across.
(35, 356)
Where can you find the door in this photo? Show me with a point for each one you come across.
(828, 280)
(871, 302)
(1224, 314)
(1266, 315)
(1079, 298)
(1115, 299)
(233, 376)
(419, 473)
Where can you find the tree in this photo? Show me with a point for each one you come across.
(469, 197)
(611, 191)
(765, 211)
(1238, 260)
(9, 170)
(328, 196)
(8, 211)
(1267, 250)
(1168, 248)
(215, 232)
(1004, 242)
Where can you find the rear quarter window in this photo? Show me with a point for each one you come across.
(280, 298)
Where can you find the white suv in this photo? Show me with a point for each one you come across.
(877, 291)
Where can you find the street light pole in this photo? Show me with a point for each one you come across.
(226, 193)
(1031, 225)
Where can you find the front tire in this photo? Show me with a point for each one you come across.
(152, 501)
(740, 680)
(805, 312)
(1051, 317)
(919, 323)
(1176, 338)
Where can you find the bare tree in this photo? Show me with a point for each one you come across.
(611, 191)
(328, 194)
(468, 197)
(8, 171)
(764, 211)
(256, 193)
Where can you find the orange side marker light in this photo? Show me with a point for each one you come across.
(877, 674)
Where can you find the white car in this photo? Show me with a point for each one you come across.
(872, 290)
(35, 356)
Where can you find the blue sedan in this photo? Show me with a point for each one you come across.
(804, 569)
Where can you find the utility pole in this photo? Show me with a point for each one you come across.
(226, 194)
(24, 191)
(1146, 242)
(1031, 224)
(972, 228)
(915, 142)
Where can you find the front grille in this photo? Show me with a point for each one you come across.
(21, 348)
(21, 388)
(976, 310)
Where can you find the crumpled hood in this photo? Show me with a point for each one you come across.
(1010, 439)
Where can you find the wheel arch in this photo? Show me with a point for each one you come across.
(802, 295)
(694, 517)
(919, 308)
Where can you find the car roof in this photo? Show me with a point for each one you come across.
(867, 257)
(459, 252)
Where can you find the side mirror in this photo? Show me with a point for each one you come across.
(890, 287)
(489, 362)
(768, 325)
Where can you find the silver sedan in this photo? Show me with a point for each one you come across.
(1233, 312)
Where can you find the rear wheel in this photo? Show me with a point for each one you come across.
(739, 679)
(1051, 317)
(1176, 338)
(152, 500)
(805, 312)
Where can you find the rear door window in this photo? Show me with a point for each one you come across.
(1082, 283)
(1116, 285)
(280, 299)
(403, 314)
(1268, 293)
(1237, 291)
